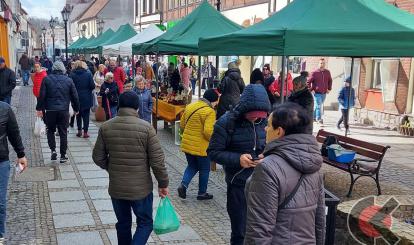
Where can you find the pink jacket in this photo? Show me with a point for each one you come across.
(185, 76)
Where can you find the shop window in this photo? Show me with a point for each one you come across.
(171, 4)
(157, 5)
(182, 2)
(384, 77)
(177, 3)
(150, 7)
(136, 8)
(144, 6)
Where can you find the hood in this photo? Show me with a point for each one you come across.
(301, 150)
(253, 98)
(233, 73)
(79, 71)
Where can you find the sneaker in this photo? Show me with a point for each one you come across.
(63, 159)
(182, 192)
(85, 135)
(54, 156)
(204, 196)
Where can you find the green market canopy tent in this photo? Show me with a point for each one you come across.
(91, 46)
(78, 42)
(183, 38)
(84, 44)
(123, 33)
(125, 48)
(351, 28)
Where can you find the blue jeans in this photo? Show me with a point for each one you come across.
(113, 112)
(193, 84)
(319, 100)
(26, 75)
(197, 164)
(4, 180)
(6, 99)
(142, 210)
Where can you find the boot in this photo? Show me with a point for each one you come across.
(79, 134)
(85, 135)
(204, 196)
(182, 191)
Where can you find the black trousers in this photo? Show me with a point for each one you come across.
(344, 118)
(59, 120)
(236, 208)
(83, 116)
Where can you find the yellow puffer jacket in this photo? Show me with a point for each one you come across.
(198, 128)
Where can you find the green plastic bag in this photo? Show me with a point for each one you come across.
(166, 219)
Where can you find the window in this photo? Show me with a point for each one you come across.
(136, 8)
(385, 75)
(182, 2)
(176, 3)
(144, 6)
(190, 1)
(157, 7)
(171, 4)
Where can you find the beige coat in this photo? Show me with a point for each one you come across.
(127, 147)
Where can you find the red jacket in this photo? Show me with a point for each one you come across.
(275, 86)
(37, 82)
(320, 81)
(119, 78)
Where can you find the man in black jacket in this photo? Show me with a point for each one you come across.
(302, 96)
(8, 129)
(56, 92)
(7, 82)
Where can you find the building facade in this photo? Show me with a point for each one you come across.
(147, 12)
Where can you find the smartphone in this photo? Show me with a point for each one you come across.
(256, 158)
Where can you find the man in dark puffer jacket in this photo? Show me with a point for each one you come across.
(230, 88)
(237, 142)
(56, 93)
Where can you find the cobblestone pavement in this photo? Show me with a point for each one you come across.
(68, 203)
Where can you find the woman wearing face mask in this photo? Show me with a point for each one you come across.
(285, 195)
(145, 99)
(197, 125)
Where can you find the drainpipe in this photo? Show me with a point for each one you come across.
(409, 107)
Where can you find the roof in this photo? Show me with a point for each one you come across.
(357, 28)
(94, 9)
(78, 10)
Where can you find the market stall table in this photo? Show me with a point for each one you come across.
(167, 112)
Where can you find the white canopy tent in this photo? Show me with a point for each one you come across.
(125, 48)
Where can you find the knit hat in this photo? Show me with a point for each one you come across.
(211, 95)
(232, 65)
(348, 80)
(256, 76)
(129, 99)
(59, 66)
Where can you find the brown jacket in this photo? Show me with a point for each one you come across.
(127, 147)
(302, 221)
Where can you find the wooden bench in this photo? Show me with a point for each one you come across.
(369, 165)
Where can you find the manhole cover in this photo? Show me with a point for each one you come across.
(36, 174)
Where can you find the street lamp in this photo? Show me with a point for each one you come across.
(100, 24)
(52, 24)
(44, 38)
(83, 30)
(65, 16)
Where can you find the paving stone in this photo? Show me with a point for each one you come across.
(73, 220)
(63, 184)
(103, 205)
(68, 175)
(184, 233)
(90, 238)
(99, 194)
(82, 144)
(107, 217)
(87, 167)
(77, 149)
(66, 196)
(103, 182)
(94, 174)
(114, 240)
(65, 168)
(81, 159)
(69, 207)
(85, 153)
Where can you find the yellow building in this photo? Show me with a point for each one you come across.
(4, 41)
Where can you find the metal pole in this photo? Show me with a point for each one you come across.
(217, 57)
(44, 42)
(282, 99)
(53, 42)
(66, 40)
(156, 97)
(199, 76)
(349, 95)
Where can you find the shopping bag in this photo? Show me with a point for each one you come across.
(94, 102)
(166, 219)
(40, 127)
(71, 113)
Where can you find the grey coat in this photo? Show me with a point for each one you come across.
(127, 147)
(302, 221)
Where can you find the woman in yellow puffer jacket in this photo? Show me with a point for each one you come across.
(197, 124)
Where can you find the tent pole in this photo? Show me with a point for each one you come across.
(282, 95)
(349, 95)
(156, 97)
(199, 76)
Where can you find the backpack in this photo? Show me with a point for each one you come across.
(330, 140)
